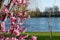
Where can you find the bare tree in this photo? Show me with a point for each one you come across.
(50, 29)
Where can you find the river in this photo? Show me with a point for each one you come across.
(41, 24)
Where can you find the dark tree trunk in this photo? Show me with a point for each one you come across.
(1, 4)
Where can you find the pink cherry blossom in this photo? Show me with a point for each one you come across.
(13, 1)
(7, 38)
(3, 26)
(3, 29)
(18, 20)
(2, 37)
(6, 5)
(23, 1)
(20, 14)
(13, 19)
(34, 38)
(13, 24)
(26, 3)
(17, 27)
(5, 10)
(16, 32)
(23, 37)
(11, 38)
(24, 17)
(19, 1)
(20, 29)
(11, 14)
(21, 23)
(23, 30)
(10, 30)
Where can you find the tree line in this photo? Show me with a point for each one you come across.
(52, 11)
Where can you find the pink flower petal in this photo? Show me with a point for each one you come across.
(34, 38)
(3, 26)
(13, 1)
(13, 19)
(5, 10)
(19, 14)
(16, 32)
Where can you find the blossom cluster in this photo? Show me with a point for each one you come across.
(16, 21)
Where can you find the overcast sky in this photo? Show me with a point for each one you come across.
(41, 4)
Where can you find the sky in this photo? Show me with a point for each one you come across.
(42, 4)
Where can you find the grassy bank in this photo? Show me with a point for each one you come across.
(39, 35)
(45, 35)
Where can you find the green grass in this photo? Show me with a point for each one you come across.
(39, 35)
(45, 35)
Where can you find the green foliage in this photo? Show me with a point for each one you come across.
(39, 35)
(22, 8)
(35, 13)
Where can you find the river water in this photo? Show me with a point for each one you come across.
(41, 24)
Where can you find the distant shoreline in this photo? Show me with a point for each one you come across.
(46, 16)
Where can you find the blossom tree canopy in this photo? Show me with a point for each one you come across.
(16, 11)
